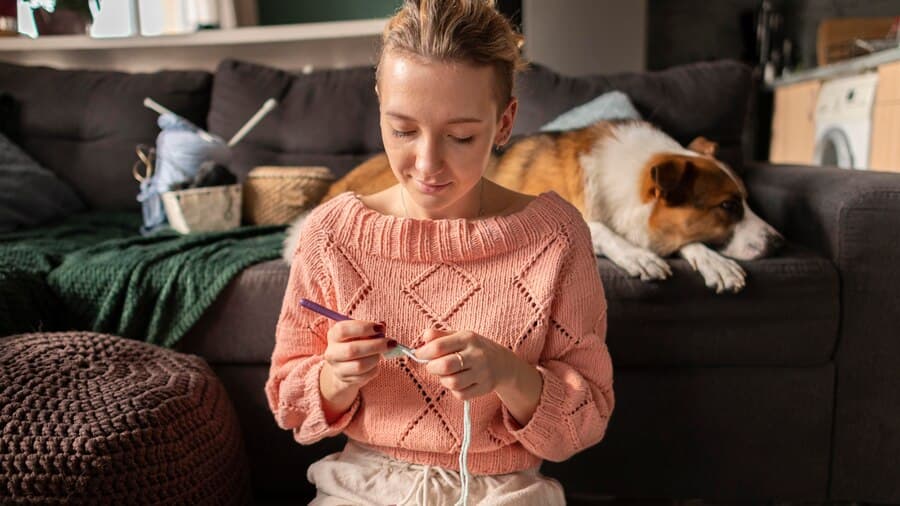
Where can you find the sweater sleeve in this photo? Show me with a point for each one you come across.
(292, 389)
(577, 396)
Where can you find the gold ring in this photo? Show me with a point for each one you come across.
(462, 364)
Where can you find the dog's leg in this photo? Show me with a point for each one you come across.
(636, 261)
(719, 273)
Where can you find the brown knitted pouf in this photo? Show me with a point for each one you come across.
(92, 418)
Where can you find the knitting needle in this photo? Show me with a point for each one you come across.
(334, 315)
(156, 106)
(260, 114)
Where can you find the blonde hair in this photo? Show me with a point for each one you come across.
(467, 31)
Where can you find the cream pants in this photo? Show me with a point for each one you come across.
(360, 476)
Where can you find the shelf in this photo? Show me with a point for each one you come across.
(846, 67)
(233, 36)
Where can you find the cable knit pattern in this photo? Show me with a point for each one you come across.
(528, 280)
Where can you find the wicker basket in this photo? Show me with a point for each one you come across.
(277, 195)
(206, 209)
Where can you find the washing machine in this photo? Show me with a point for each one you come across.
(844, 121)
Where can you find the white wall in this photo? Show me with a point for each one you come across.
(578, 37)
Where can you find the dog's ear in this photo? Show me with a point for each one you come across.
(704, 146)
(667, 175)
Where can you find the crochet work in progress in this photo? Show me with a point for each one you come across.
(96, 419)
(527, 281)
(400, 350)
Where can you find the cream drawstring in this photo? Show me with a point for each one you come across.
(464, 450)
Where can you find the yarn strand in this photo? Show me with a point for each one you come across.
(464, 475)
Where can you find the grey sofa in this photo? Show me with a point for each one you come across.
(786, 391)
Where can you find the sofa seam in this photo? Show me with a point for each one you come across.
(847, 207)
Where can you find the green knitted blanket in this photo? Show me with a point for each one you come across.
(93, 272)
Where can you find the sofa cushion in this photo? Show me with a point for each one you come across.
(786, 316)
(330, 117)
(327, 117)
(239, 327)
(708, 99)
(84, 125)
(30, 194)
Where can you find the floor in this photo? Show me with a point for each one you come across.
(611, 501)
(693, 502)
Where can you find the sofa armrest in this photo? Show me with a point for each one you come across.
(853, 218)
(813, 206)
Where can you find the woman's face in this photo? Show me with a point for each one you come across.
(439, 122)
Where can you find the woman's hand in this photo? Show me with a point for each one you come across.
(469, 365)
(351, 360)
(354, 351)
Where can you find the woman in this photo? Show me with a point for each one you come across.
(497, 290)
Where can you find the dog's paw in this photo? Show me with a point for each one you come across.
(720, 273)
(638, 262)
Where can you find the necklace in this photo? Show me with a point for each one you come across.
(480, 199)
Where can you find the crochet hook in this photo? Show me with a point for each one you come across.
(334, 315)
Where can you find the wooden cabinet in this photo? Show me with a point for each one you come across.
(793, 123)
(884, 152)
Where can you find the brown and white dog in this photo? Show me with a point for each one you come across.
(643, 195)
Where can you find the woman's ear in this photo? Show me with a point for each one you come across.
(507, 119)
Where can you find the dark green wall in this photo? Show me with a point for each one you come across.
(280, 12)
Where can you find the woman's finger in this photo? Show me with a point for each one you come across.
(431, 334)
(350, 330)
(362, 348)
(448, 364)
(459, 381)
(360, 378)
(356, 367)
(441, 346)
(469, 393)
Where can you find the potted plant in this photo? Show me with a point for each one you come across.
(58, 17)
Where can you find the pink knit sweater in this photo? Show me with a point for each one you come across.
(527, 280)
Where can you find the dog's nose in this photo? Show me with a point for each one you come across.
(774, 243)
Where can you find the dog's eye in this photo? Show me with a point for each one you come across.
(731, 206)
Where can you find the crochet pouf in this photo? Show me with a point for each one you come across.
(93, 418)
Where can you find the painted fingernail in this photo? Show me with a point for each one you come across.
(379, 335)
(391, 343)
(379, 327)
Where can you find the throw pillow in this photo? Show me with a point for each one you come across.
(84, 125)
(29, 193)
(610, 105)
(325, 118)
(686, 101)
(9, 115)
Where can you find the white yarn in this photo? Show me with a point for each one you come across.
(464, 475)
